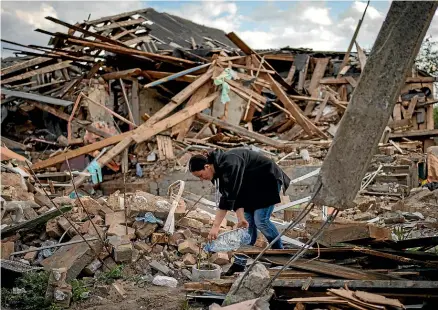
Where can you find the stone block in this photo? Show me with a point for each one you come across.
(159, 267)
(158, 248)
(73, 257)
(115, 218)
(123, 253)
(220, 258)
(120, 230)
(53, 230)
(31, 256)
(190, 223)
(188, 246)
(176, 238)
(144, 230)
(7, 249)
(199, 216)
(92, 267)
(189, 259)
(142, 246)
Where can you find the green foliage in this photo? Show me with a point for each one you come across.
(427, 58)
(112, 275)
(79, 290)
(35, 286)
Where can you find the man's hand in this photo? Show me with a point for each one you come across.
(242, 223)
(212, 235)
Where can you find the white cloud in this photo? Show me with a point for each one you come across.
(36, 18)
(317, 16)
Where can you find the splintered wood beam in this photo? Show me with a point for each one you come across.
(24, 65)
(121, 74)
(43, 70)
(300, 118)
(240, 131)
(159, 75)
(318, 74)
(179, 98)
(84, 31)
(120, 24)
(130, 51)
(184, 127)
(114, 17)
(361, 55)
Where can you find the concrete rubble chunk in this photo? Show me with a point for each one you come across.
(92, 206)
(142, 246)
(158, 248)
(188, 246)
(413, 216)
(251, 287)
(187, 274)
(73, 257)
(177, 238)
(144, 230)
(63, 201)
(42, 210)
(115, 218)
(120, 230)
(189, 259)
(393, 218)
(92, 267)
(220, 258)
(165, 281)
(53, 230)
(140, 202)
(30, 256)
(116, 201)
(123, 253)
(190, 223)
(365, 216)
(159, 267)
(200, 216)
(118, 287)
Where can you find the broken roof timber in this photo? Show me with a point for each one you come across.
(114, 17)
(36, 97)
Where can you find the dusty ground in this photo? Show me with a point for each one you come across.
(149, 297)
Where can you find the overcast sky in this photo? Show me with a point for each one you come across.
(321, 25)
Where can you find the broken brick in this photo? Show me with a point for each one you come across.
(159, 267)
(199, 216)
(158, 248)
(159, 238)
(7, 249)
(188, 246)
(220, 258)
(31, 256)
(53, 230)
(190, 223)
(142, 246)
(144, 230)
(120, 230)
(189, 259)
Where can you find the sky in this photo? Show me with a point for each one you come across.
(320, 25)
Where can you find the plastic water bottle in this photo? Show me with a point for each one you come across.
(229, 241)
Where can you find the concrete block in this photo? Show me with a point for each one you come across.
(92, 267)
(189, 259)
(159, 267)
(188, 246)
(144, 230)
(123, 253)
(73, 257)
(220, 258)
(53, 230)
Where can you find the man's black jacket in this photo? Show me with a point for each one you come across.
(247, 179)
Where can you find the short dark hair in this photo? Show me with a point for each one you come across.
(197, 163)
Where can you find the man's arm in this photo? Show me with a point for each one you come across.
(220, 215)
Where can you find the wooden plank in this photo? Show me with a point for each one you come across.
(130, 51)
(169, 122)
(121, 74)
(184, 127)
(348, 295)
(352, 81)
(378, 299)
(414, 133)
(362, 56)
(160, 75)
(302, 120)
(24, 65)
(248, 91)
(280, 57)
(32, 73)
(239, 43)
(291, 74)
(114, 17)
(181, 97)
(322, 107)
(137, 40)
(430, 123)
(302, 75)
(36, 97)
(396, 114)
(411, 107)
(328, 269)
(240, 130)
(122, 34)
(11, 144)
(247, 68)
(135, 101)
(125, 23)
(318, 74)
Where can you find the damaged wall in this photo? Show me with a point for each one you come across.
(150, 101)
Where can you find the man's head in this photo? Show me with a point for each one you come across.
(201, 168)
